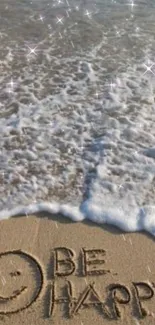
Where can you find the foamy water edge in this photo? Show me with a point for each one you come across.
(107, 135)
(137, 220)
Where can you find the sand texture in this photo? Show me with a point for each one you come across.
(54, 271)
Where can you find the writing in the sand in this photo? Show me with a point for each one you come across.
(64, 266)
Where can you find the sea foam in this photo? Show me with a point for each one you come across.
(71, 142)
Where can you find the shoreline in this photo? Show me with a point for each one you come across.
(74, 273)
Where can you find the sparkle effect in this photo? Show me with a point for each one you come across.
(59, 20)
(111, 85)
(65, 31)
(149, 69)
(88, 14)
(41, 18)
(32, 50)
(132, 4)
(11, 85)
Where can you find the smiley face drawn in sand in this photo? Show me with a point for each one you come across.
(21, 281)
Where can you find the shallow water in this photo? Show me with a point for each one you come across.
(77, 110)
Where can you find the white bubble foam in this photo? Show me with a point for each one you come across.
(77, 130)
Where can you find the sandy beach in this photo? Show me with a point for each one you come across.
(53, 270)
(77, 140)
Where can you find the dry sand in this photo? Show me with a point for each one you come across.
(54, 271)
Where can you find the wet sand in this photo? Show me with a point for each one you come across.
(55, 270)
